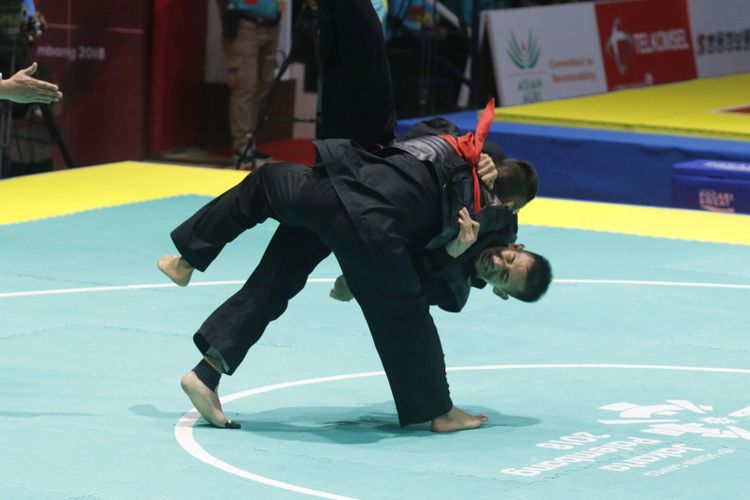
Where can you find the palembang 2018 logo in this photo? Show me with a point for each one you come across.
(524, 55)
(627, 453)
(664, 419)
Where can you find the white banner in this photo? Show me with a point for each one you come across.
(721, 36)
(543, 53)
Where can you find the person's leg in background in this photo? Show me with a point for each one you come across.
(268, 48)
(251, 62)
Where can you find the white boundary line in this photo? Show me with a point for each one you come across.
(117, 288)
(652, 283)
(184, 427)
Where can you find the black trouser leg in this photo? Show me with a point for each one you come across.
(409, 348)
(282, 272)
(201, 237)
(357, 96)
(269, 192)
(387, 289)
(397, 313)
(304, 201)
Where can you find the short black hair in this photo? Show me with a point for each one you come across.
(537, 280)
(494, 151)
(516, 177)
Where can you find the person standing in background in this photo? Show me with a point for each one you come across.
(18, 85)
(250, 31)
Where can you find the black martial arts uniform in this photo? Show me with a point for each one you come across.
(398, 210)
(356, 95)
(375, 211)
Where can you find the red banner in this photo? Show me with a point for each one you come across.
(97, 52)
(645, 42)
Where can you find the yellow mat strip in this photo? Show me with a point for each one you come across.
(69, 191)
(689, 108)
(692, 225)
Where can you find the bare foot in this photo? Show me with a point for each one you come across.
(176, 268)
(340, 290)
(457, 420)
(205, 401)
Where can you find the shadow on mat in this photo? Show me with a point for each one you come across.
(32, 414)
(352, 425)
(154, 412)
(334, 424)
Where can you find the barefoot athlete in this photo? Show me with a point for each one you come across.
(378, 212)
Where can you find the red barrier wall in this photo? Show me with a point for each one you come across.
(178, 55)
(97, 52)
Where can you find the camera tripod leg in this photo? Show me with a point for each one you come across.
(5, 125)
(305, 22)
(55, 134)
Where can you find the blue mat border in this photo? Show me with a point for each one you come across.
(600, 165)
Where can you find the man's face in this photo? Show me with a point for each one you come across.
(505, 268)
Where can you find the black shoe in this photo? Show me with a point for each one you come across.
(260, 155)
(249, 158)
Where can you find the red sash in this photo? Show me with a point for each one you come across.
(469, 146)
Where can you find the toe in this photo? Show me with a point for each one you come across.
(231, 425)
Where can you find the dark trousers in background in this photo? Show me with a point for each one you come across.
(251, 62)
(357, 96)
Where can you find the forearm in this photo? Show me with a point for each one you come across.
(22, 88)
(5, 92)
(456, 247)
(9, 91)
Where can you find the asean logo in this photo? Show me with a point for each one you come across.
(678, 417)
(524, 55)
